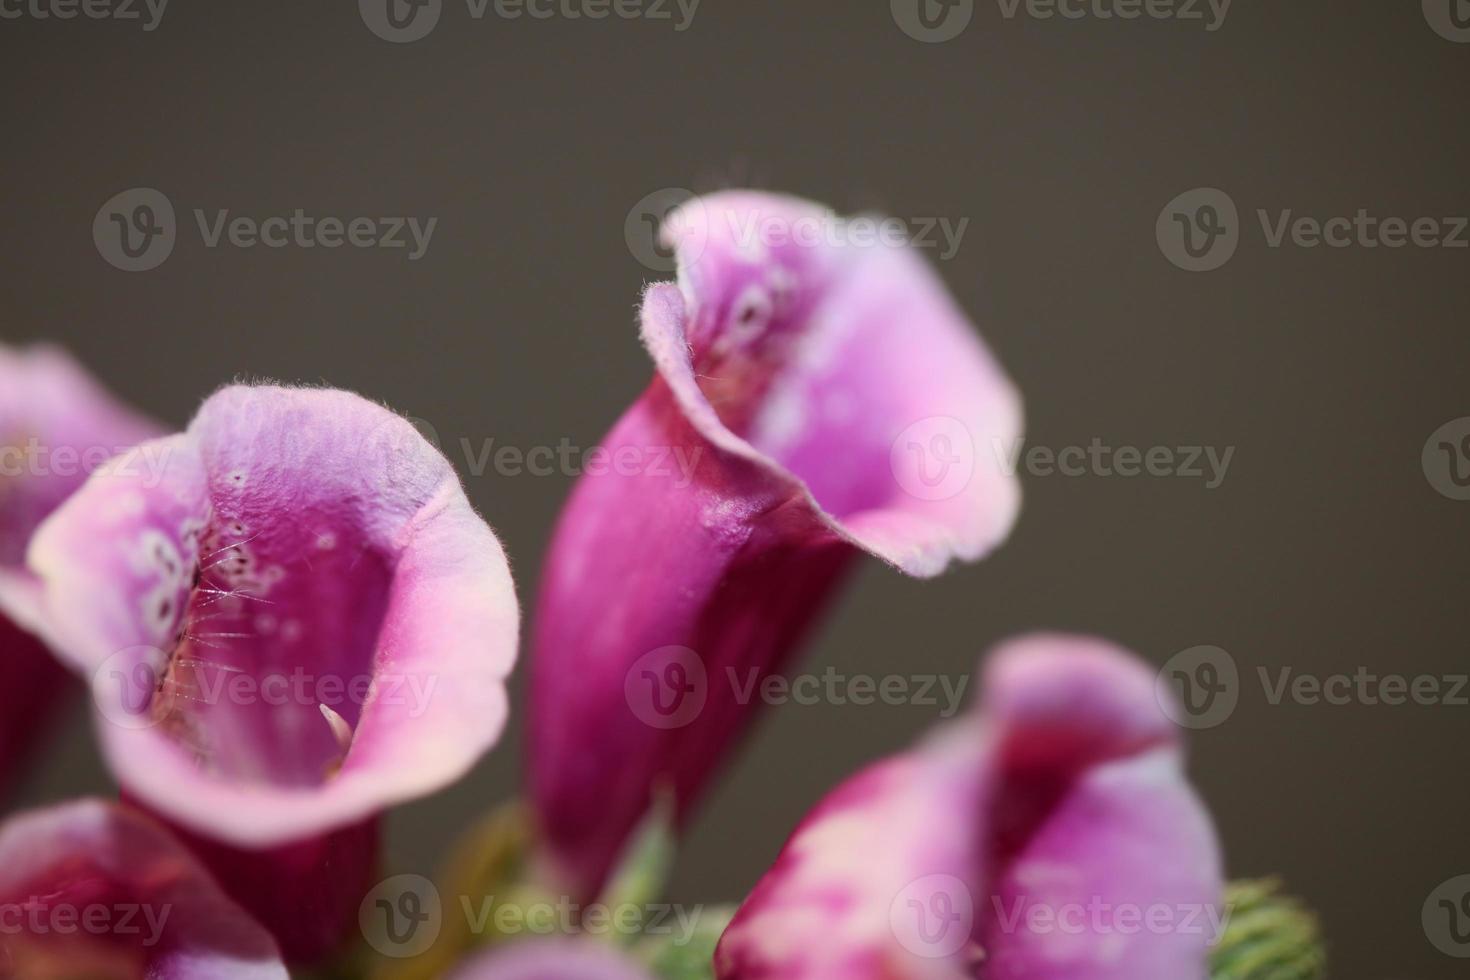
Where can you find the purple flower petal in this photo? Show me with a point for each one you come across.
(56, 425)
(33, 687)
(1050, 836)
(814, 400)
(306, 893)
(551, 960)
(91, 889)
(291, 615)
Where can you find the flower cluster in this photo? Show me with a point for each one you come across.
(291, 620)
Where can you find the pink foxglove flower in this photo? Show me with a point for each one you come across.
(56, 426)
(1051, 835)
(299, 623)
(90, 889)
(818, 396)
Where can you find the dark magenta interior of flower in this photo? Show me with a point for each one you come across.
(1041, 766)
(282, 620)
(47, 936)
(770, 357)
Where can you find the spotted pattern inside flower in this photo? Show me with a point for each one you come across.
(262, 595)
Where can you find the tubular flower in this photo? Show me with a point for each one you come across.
(56, 424)
(817, 397)
(1051, 835)
(298, 623)
(93, 890)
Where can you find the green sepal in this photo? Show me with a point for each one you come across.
(490, 861)
(677, 958)
(643, 870)
(1270, 936)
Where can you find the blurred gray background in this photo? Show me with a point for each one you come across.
(1325, 548)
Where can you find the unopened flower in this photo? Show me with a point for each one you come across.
(829, 399)
(1050, 836)
(299, 623)
(90, 889)
(56, 426)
